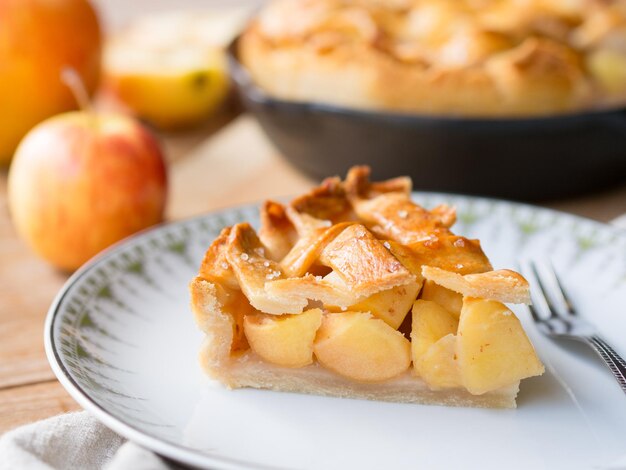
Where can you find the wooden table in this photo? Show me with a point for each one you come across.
(225, 163)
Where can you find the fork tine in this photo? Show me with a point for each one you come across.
(552, 290)
(539, 295)
(559, 292)
(539, 319)
(546, 297)
(543, 289)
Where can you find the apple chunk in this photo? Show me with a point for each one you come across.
(439, 366)
(361, 347)
(430, 323)
(285, 340)
(493, 349)
(450, 300)
(390, 305)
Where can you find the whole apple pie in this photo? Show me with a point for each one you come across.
(450, 57)
(354, 290)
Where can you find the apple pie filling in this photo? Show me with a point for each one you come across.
(357, 279)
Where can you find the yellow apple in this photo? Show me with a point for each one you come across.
(81, 181)
(361, 347)
(285, 340)
(38, 38)
(493, 349)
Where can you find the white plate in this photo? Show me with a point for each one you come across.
(121, 339)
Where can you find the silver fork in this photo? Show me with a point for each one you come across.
(555, 316)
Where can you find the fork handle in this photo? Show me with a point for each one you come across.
(610, 358)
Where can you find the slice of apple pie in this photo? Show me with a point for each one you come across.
(354, 290)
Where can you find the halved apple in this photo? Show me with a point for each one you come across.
(170, 68)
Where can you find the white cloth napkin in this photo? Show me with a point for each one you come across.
(74, 441)
(78, 441)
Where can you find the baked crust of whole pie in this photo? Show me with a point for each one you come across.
(354, 290)
(442, 57)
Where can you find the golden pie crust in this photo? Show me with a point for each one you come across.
(336, 250)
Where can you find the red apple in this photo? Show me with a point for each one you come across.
(38, 38)
(81, 181)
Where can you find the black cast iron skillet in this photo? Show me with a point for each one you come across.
(513, 158)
